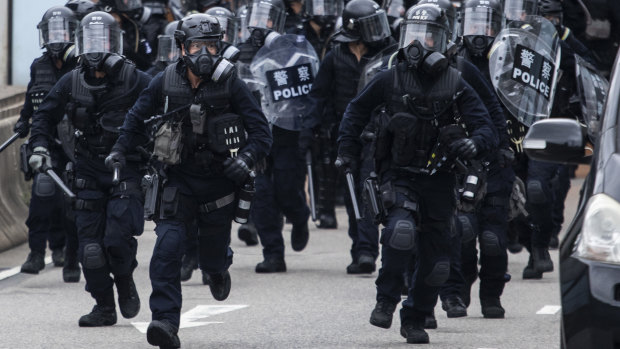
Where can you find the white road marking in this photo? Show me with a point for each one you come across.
(549, 310)
(15, 270)
(188, 319)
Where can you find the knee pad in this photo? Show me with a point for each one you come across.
(467, 228)
(439, 275)
(93, 256)
(44, 186)
(403, 236)
(535, 192)
(489, 244)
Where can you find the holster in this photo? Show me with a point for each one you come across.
(151, 187)
(24, 154)
(168, 143)
(371, 195)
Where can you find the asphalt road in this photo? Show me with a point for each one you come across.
(314, 305)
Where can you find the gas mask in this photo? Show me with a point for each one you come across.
(207, 66)
(109, 63)
(478, 45)
(262, 37)
(423, 60)
(63, 51)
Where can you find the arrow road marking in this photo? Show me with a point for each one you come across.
(188, 319)
(549, 310)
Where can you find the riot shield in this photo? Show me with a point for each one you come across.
(375, 64)
(66, 136)
(592, 88)
(285, 71)
(524, 62)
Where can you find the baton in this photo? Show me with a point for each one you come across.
(9, 142)
(50, 172)
(116, 176)
(311, 185)
(351, 185)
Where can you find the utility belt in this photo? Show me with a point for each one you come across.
(98, 205)
(382, 198)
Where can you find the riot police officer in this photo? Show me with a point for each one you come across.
(430, 112)
(108, 215)
(228, 22)
(203, 100)
(45, 216)
(335, 86)
(167, 50)
(320, 22)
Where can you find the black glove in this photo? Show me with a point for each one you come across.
(346, 163)
(115, 156)
(464, 148)
(238, 169)
(22, 126)
(505, 157)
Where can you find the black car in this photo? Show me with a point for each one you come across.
(590, 250)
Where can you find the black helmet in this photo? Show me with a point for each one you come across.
(516, 10)
(99, 40)
(267, 15)
(363, 20)
(81, 7)
(120, 5)
(482, 21)
(447, 6)
(424, 38)
(57, 31)
(552, 10)
(228, 22)
(167, 49)
(199, 31)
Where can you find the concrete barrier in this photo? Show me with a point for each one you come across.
(14, 191)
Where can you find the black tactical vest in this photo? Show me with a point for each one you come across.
(214, 97)
(99, 113)
(419, 108)
(43, 80)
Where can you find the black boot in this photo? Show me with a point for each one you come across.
(299, 236)
(529, 272)
(162, 334)
(188, 265)
(220, 285)
(366, 263)
(99, 316)
(554, 243)
(454, 307)
(542, 259)
(327, 220)
(248, 234)
(71, 272)
(58, 257)
(430, 322)
(492, 308)
(354, 269)
(414, 332)
(382, 315)
(34, 263)
(271, 265)
(128, 299)
(206, 279)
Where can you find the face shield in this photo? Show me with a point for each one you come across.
(57, 30)
(431, 36)
(481, 21)
(229, 26)
(396, 9)
(167, 50)
(99, 38)
(374, 27)
(324, 8)
(266, 16)
(516, 10)
(243, 33)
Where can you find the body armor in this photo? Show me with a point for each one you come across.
(98, 113)
(43, 80)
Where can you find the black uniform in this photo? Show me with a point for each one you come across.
(419, 206)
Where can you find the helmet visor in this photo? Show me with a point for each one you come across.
(516, 10)
(266, 16)
(57, 30)
(432, 37)
(167, 50)
(324, 8)
(242, 26)
(374, 27)
(229, 26)
(481, 21)
(396, 9)
(99, 38)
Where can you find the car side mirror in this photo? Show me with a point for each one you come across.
(557, 140)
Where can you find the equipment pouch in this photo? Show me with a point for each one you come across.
(150, 186)
(388, 195)
(226, 133)
(371, 192)
(169, 202)
(24, 154)
(168, 143)
(403, 127)
(198, 118)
